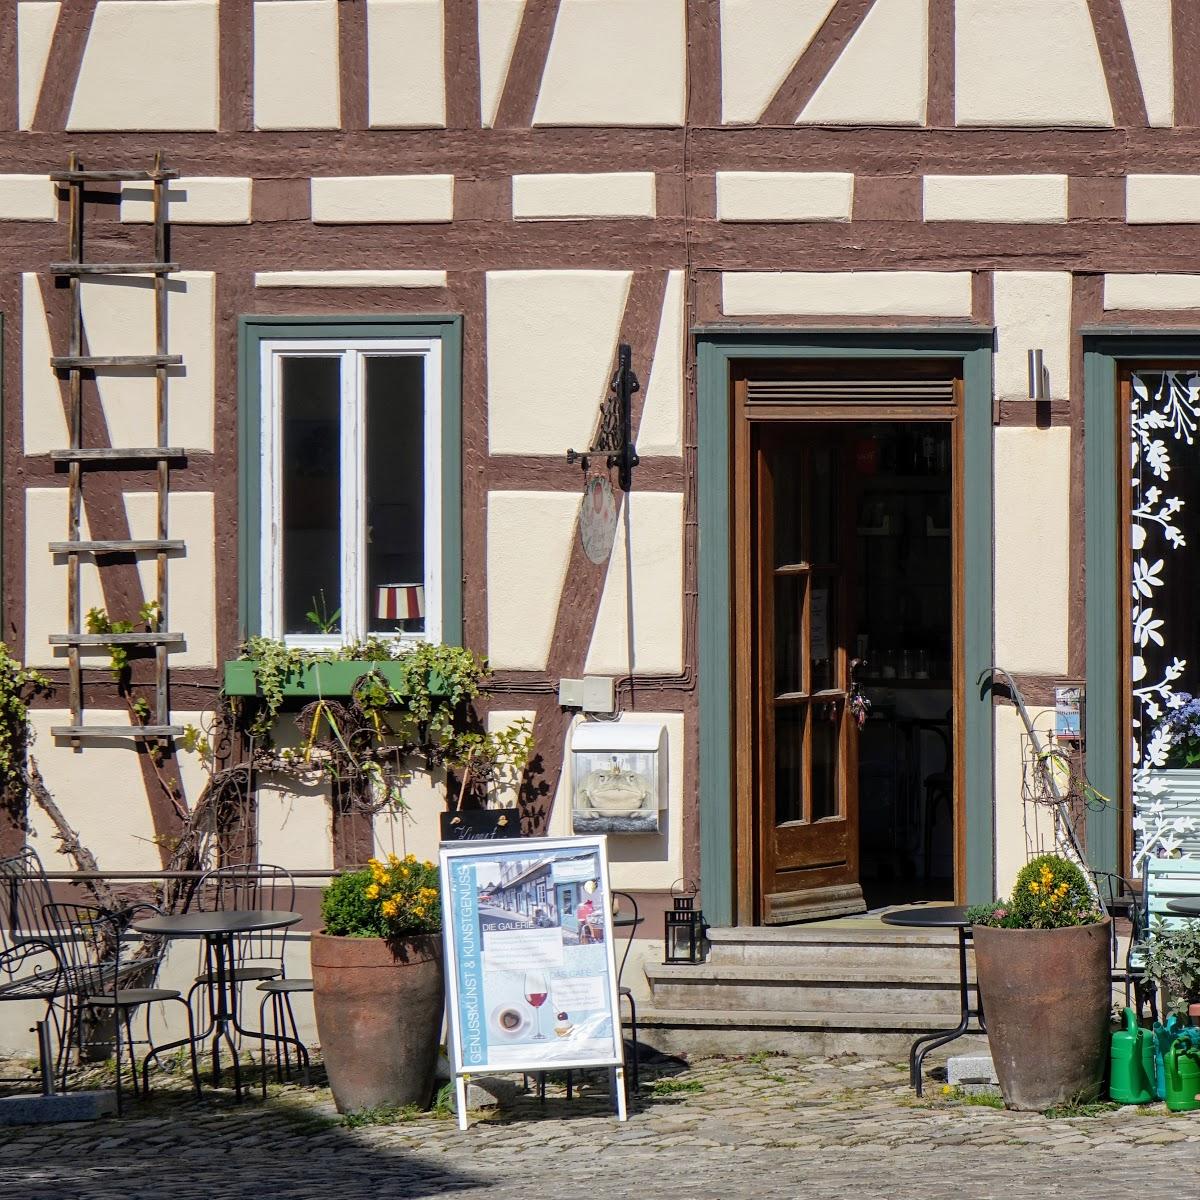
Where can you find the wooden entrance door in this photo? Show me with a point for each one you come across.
(802, 561)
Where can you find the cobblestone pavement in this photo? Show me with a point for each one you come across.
(764, 1127)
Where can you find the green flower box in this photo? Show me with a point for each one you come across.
(310, 682)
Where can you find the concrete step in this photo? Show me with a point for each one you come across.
(743, 1031)
(830, 946)
(788, 989)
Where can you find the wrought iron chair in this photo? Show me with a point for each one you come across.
(260, 957)
(29, 964)
(625, 901)
(102, 976)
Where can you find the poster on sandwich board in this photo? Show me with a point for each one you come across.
(530, 971)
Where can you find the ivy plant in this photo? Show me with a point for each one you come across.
(18, 685)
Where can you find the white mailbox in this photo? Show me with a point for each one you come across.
(620, 777)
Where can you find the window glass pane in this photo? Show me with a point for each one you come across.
(786, 503)
(826, 726)
(395, 493)
(310, 468)
(789, 601)
(789, 764)
(823, 634)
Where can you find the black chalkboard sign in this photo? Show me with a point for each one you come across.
(481, 824)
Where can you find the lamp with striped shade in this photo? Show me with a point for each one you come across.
(400, 601)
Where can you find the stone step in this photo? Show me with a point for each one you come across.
(742, 1031)
(710, 987)
(825, 946)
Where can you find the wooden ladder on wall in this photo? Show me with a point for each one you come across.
(75, 364)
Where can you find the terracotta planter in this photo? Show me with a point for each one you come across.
(379, 1012)
(1046, 997)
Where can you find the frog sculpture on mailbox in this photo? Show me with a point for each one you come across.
(615, 799)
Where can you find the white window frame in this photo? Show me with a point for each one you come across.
(354, 600)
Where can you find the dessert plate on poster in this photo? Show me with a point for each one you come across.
(598, 518)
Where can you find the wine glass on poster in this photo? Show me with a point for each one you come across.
(536, 991)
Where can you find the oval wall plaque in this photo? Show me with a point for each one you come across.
(598, 519)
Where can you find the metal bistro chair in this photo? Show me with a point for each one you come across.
(29, 964)
(259, 957)
(623, 901)
(93, 950)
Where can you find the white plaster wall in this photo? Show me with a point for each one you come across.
(784, 195)
(350, 279)
(1150, 32)
(760, 43)
(367, 199)
(1032, 311)
(194, 200)
(46, 579)
(27, 198)
(567, 322)
(637, 862)
(578, 197)
(406, 63)
(1022, 830)
(296, 65)
(35, 32)
(1027, 62)
(118, 318)
(1002, 198)
(1152, 292)
(651, 540)
(846, 293)
(134, 75)
(114, 820)
(661, 431)
(616, 62)
(45, 426)
(294, 824)
(191, 576)
(1033, 530)
(529, 538)
(499, 21)
(417, 831)
(1162, 199)
(882, 76)
(506, 793)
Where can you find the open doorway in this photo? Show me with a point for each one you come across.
(850, 662)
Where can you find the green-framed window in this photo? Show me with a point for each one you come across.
(717, 350)
(350, 498)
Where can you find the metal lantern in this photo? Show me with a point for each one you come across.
(683, 938)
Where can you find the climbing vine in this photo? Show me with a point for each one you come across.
(18, 685)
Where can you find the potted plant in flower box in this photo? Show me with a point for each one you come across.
(1043, 965)
(378, 986)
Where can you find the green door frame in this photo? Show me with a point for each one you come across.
(1102, 349)
(716, 350)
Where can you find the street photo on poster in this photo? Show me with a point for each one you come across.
(530, 969)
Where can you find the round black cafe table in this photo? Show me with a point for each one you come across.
(1189, 906)
(220, 931)
(940, 916)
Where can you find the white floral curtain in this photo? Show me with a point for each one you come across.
(1165, 415)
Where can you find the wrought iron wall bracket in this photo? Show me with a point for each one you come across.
(614, 436)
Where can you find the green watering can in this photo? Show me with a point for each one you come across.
(1181, 1068)
(1131, 1063)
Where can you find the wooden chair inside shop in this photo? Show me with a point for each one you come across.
(1163, 880)
(259, 957)
(109, 978)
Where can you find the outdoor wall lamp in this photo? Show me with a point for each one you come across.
(614, 436)
(1037, 375)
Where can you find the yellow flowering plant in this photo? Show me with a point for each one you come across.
(1050, 893)
(391, 898)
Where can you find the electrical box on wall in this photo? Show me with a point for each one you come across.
(620, 777)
